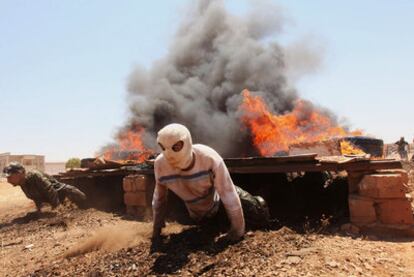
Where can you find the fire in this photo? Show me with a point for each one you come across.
(347, 148)
(273, 133)
(129, 147)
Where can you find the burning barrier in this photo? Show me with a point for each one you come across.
(273, 133)
(270, 134)
(213, 57)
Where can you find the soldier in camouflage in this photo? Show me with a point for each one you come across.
(42, 188)
(403, 149)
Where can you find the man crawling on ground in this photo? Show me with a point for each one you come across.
(198, 175)
(42, 188)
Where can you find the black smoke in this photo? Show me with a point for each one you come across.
(213, 57)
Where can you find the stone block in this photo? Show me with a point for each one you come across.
(382, 186)
(135, 199)
(131, 210)
(354, 178)
(388, 230)
(139, 182)
(361, 209)
(127, 184)
(402, 172)
(395, 211)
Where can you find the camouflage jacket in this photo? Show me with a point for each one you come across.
(41, 188)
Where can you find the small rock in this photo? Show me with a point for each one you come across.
(28, 247)
(293, 260)
(368, 266)
(333, 264)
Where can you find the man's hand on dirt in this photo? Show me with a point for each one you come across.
(231, 236)
(156, 239)
(33, 215)
(156, 242)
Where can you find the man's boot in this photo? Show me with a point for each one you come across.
(255, 210)
(74, 195)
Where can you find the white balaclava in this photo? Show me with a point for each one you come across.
(170, 135)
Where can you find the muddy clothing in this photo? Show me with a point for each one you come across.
(255, 212)
(202, 188)
(42, 188)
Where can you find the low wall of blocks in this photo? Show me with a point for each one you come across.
(138, 190)
(381, 201)
(378, 200)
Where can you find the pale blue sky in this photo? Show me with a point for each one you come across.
(64, 65)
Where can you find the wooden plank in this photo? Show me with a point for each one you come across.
(259, 161)
(277, 168)
(255, 166)
(315, 167)
(342, 159)
(99, 173)
(371, 165)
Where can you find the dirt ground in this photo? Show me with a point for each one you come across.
(73, 242)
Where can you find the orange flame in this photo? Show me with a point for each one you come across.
(347, 148)
(272, 133)
(131, 144)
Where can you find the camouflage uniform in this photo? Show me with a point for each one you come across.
(42, 188)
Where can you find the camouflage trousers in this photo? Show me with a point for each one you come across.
(255, 211)
(72, 193)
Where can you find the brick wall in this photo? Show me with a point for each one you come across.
(381, 199)
(138, 190)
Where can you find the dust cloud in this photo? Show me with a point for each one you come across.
(112, 238)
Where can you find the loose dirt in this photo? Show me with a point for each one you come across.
(72, 242)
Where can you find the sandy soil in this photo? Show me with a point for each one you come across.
(73, 242)
(12, 199)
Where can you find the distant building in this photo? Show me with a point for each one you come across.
(54, 168)
(27, 160)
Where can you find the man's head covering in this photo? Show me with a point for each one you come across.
(168, 137)
(13, 167)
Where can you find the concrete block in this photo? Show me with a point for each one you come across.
(131, 210)
(135, 199)
(382, 186)
(127, 184)
(354, 178)
(142, 182)
(361, 209)
(395, 211)
(389, 230)
(402, 172)
(138, 182)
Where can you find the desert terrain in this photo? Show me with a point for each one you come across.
(73, 242)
